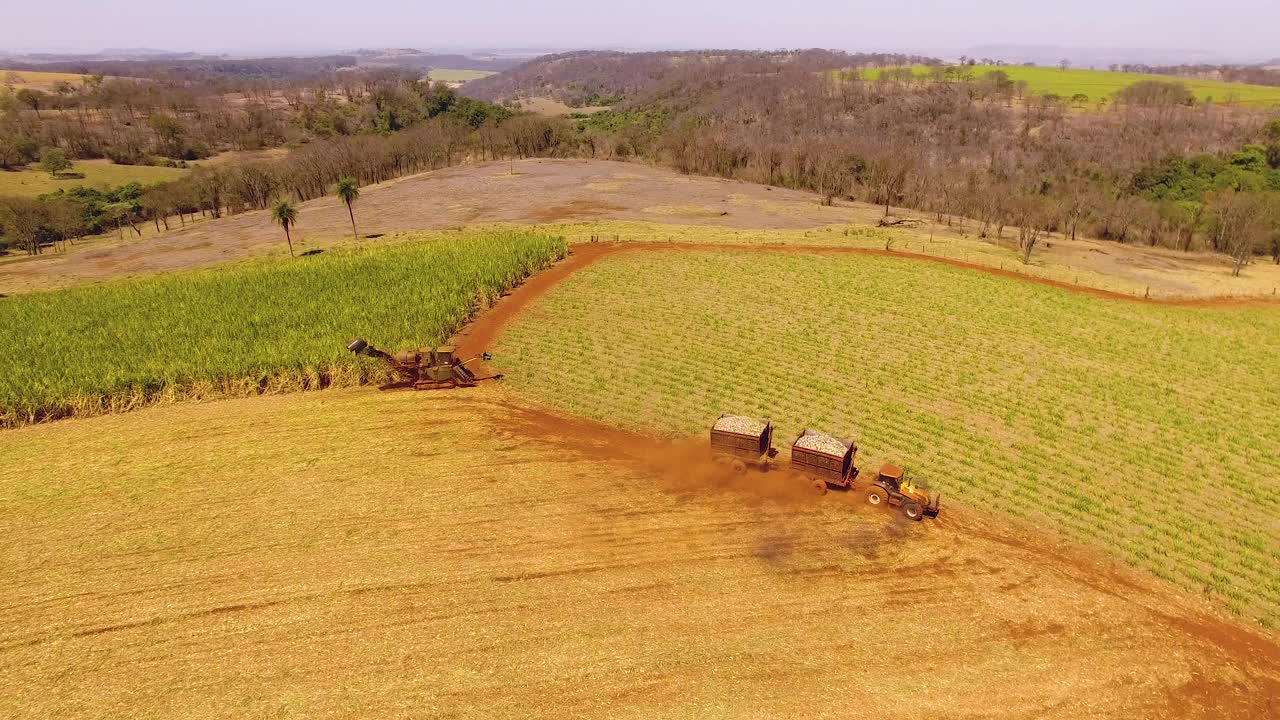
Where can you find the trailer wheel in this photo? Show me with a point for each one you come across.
(820, 487)
(875, 496)
(739, 467)
(911, 509)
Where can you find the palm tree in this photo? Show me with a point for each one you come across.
(285, 214)
(349, 191)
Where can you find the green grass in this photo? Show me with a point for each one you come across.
(1150, 432)
(460, 76)
(259, 327)
(1102, 84)
(90, 173)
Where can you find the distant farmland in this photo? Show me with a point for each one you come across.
(457, 76)
(44, 81)
(1101, 84)
(89, 173)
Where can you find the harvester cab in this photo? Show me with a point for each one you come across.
(892, 487)
(426, 368)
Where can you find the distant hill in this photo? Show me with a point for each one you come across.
(138, 52)
(423, 60)
(604, 77)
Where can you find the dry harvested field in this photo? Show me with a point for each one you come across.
(356, 553)
(631, 202)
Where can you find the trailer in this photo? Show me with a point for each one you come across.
(823, 461)
(742, 442)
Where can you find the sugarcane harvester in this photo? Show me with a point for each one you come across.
(426, 368)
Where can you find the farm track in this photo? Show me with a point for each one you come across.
(483, 330)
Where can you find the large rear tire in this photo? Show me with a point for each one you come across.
(912, 510)
(876, 496)
(739, 467)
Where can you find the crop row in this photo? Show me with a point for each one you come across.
(1152, 432)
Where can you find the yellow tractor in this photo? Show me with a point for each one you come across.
(891, 487)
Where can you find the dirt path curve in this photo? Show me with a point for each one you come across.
(484, 330)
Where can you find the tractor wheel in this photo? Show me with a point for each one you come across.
(739, 467)
(911, 509)
(875, 496)
(820, 487)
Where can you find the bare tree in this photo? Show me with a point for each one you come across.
(1244, 221)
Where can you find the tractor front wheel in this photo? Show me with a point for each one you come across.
(911, 509)
(875, 496)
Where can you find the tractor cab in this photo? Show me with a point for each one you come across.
(892, 488)
(890, 475)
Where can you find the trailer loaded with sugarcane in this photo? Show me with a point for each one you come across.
(819, 461)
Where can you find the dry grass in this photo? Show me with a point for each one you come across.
(567, 192)
(457, 77)
(42, 81)
(365, 554)
(89, 173)
(548, 106)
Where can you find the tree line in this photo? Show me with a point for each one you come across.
(168, 121)
(309, 172)
(1150, 169)
(962, 150)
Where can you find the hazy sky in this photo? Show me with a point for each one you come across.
(1231, 27)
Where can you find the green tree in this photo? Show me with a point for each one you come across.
(348, 191)
(54, 161)
(286, 215)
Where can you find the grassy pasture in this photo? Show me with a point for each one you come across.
(1150, 432)
(458, 76)
(260, 327)
(1103, 84)
(91, 173)
(43, 81)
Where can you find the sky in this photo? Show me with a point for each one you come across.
(1232, 28)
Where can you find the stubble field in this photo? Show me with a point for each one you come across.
(356, 553)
